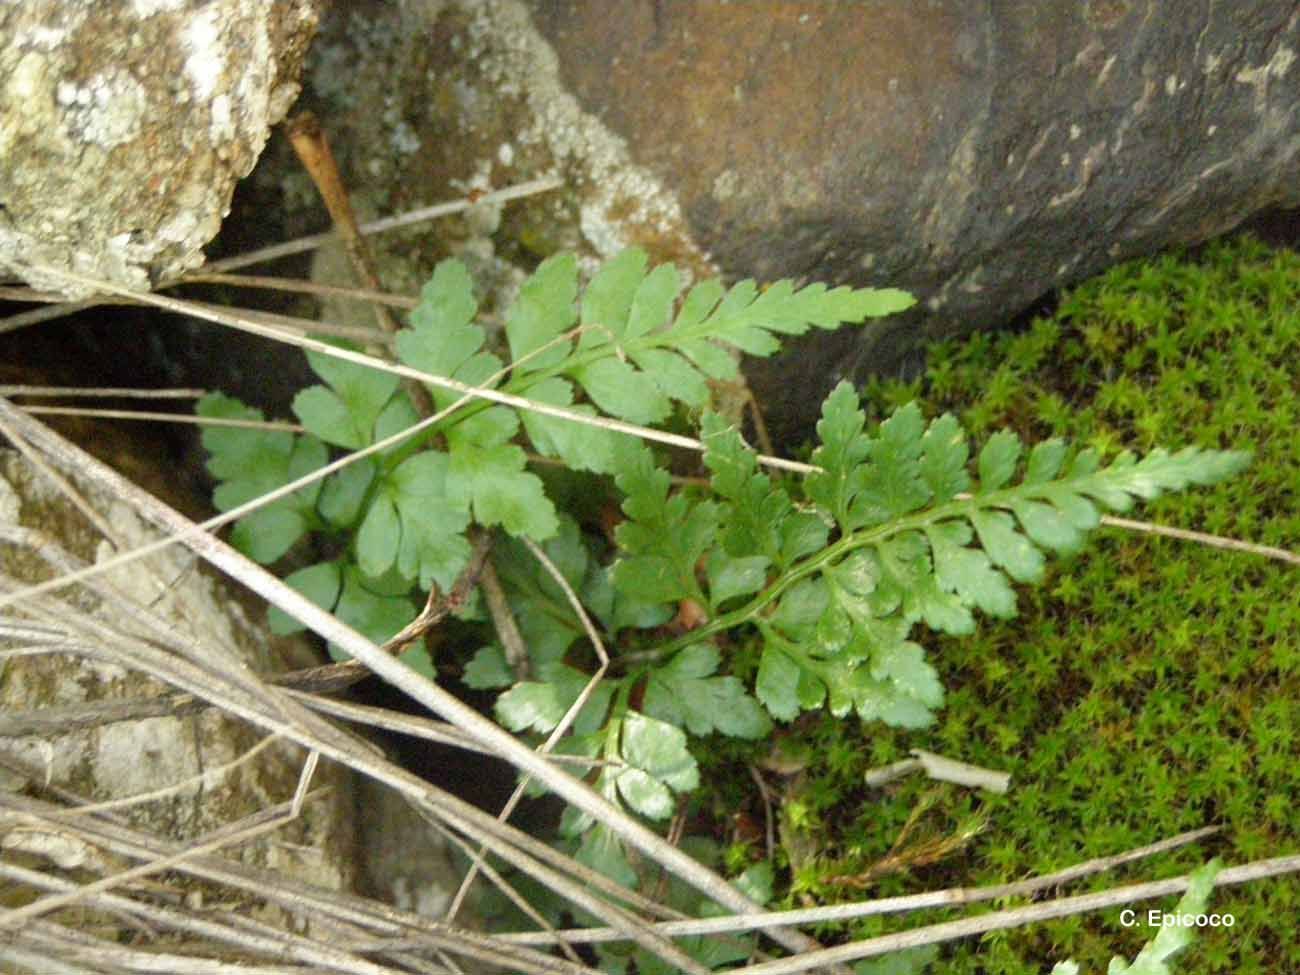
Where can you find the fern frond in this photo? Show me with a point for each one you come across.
(919, 540)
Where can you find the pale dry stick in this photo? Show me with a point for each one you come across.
(359, 941)
(942, 769)
(403, 726)
(565, 722)
(1214, 541)
(121, 392)
(1015, 917)
(420, 215)
(78, 501)
(97, 521)
(203, 421)
(407, 724)
(304, 780)
(204, 527)
(313, 149)
(61, 719)
(360, 333)
(302, 900)
(231, 834)
(278, 718)
(49, 313)
(10, 630)
(42, 962)
(305, 900)
(295, 285)
(17, 292)
(38, 316)
(478, 862)
(952, 897)
(644, 433)
(311, 477)
(79, 945)
(436, 699)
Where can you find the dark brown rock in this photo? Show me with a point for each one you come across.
(979, 155)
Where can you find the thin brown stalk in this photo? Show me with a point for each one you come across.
(313, 149)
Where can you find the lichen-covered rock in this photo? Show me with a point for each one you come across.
(125, 124)
(980, 156)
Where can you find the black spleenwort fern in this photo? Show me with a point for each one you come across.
(829, 572)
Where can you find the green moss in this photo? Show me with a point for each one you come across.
(1152, 686)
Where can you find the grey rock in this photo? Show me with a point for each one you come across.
(125, 124)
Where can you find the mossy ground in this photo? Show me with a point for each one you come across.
(1150, 686)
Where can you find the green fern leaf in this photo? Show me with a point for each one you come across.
(542, 313)
(320, 583)
(843, 449)
(1008, 548)
(344, 413)
(492, 481)
(621, 390)
(652, 305)
(249, 463)
(442, 340)
(777, 684)
(944, 453)
(756, 513)
(583, 448)
(997, 461)
(910, 549)
(635, 357)
(1045, 461)
(432, 546)
(967, 572)
(859, 494)
(891, 484)
(684, 693)
(657, 764)
(607, 299)
(603, 852)
(664, 536)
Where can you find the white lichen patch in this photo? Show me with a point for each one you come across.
(1260, 76)
(725, 184)
(206, 59)
(108, 111)
(150, 8)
